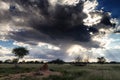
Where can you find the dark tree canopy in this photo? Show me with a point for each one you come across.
(57, 61)
(101, 60)
(20, 52)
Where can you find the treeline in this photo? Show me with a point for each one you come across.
(22, 62)
(56, 61)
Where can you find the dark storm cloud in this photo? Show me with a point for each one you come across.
(49, 24)
(65, 22)
(29, 36)
(105, 22)
(106, 19)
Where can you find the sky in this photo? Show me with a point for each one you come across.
(112, 6)
(64, 29)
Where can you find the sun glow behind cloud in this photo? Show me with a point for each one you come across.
(75, 50)
(64, 2)
(4, 6)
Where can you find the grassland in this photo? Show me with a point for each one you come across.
(69, 72)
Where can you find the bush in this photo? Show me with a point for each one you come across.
(57, 61)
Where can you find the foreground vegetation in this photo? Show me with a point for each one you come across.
(69, 72)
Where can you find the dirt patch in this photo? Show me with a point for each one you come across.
(42, 72)
(30, 74)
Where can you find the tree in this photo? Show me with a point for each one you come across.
(7, 61)
(78, 59)
(101, 60)
(57, 61)
(20, 52)
(1, 62)
(15, 60)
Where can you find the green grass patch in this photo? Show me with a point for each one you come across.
(69, 72)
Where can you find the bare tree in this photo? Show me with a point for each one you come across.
(78, 59)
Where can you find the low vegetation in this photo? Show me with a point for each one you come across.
(68, 71)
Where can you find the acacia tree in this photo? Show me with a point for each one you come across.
(101, 60)
(19, 52)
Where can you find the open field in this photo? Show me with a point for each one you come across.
(69, 72)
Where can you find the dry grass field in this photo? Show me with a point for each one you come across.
(69, 72)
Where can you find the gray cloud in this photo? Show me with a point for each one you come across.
(39, 21)
(49, 55)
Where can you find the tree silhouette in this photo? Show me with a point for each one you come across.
(7, 61)
(101, 60)
(78, 59)
(19, 52)
(57, 61)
